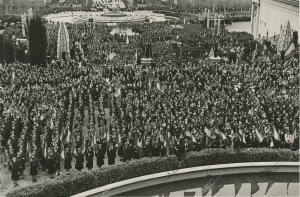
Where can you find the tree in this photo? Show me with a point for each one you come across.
(9, 50)
(295, 39)
(2, 48)
(37, 41)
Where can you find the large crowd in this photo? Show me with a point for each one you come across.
(91, 106)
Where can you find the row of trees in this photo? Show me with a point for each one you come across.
(37, 36)
(6, 49)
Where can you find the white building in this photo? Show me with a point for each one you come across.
(268, 16)
(110, 4)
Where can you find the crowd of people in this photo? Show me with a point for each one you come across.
(94, 105)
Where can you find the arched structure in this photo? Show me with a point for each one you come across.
(208, 172)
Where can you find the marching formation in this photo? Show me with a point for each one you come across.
(76, 112)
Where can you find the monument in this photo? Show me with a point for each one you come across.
(147, 59)
(63, 42)
(285, 37)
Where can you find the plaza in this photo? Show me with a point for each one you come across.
(151, 99)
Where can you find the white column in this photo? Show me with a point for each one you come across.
(215, 21)
(257, 20)
(252, 15)
(219, 24)
(214, 6)
(208, 18)
(23, 22)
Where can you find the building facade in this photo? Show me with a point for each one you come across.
(269, 16)
(110, 4)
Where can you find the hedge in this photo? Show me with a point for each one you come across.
(235, 19)
(67, 185)
(223, 156)
(296, 155)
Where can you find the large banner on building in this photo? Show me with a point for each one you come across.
(285, 38)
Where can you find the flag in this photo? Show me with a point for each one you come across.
(254, 53)
(45, 150)
(136, 55)
(272, 143)
(28, 149)
(75, 151)
(211, 53)
(241, 132)
(74, 92)
(51, 123)
(166, 138)
(220, 133)
(68, 138)
(94, 139)
(223, 136)
(260, 137)
(61, 135)
(118, 92)
(62, 154)
(193, 139)
(161, 137)
(107, 135)
(83, 145)
(276, 135)
(149, 83)
(208, 132)
(119, 138)
(284, 39)
(127, 40)
(232, 134)
(159, 87)
(104, 134)
(7, 156)
(139, 142)
(13, 76)
(294, 136)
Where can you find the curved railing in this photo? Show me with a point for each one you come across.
(191, 173)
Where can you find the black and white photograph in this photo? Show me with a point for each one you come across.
(149, 98)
